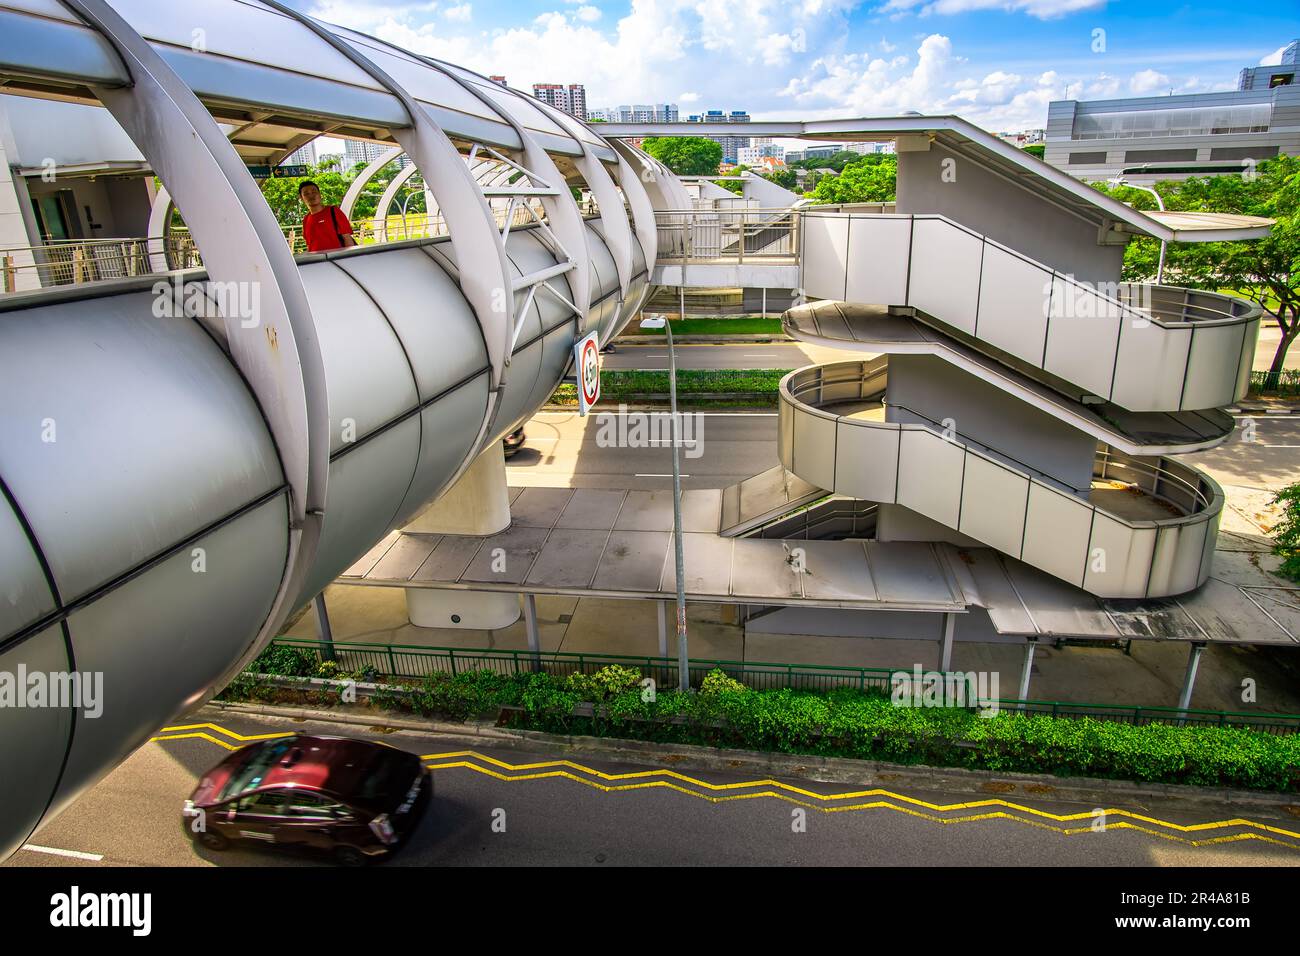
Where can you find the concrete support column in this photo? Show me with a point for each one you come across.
(534, 634)
(323, 631)
(1026, 668)
(945, 642)
(478, 503)
(1189, 679)
(662, 607)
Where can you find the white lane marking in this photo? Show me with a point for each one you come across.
(55, 851)
(660, 476)
(759, 355)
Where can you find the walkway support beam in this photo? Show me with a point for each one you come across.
(276, 349)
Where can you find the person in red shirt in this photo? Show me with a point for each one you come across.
(324, 227)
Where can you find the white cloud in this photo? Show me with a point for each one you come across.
(588, 13)
(461, 13)
(1148, 81)
(1042, 9)
(1274, 58)
(688, 98)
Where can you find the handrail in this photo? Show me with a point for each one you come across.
(800, 382)
(1248, 310)
(797, 676)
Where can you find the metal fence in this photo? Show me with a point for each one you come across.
(416, 662)
(1285, 382)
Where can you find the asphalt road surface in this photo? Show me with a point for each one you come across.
(582, 813)
(566, 450)
(731, 355)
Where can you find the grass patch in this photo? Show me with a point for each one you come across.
(748, 385)
(742, 325)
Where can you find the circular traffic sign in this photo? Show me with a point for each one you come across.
(589, 379)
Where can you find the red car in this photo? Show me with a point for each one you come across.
(353, 798)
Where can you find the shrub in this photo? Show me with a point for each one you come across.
(717, 681)
(286, 662)
(607, 682)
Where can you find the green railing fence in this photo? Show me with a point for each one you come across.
(1285, 382)
(415, 661)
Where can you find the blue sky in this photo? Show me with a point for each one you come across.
(996, 62)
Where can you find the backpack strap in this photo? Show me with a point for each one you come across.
(334, 219)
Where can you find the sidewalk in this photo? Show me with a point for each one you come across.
(1151, 675)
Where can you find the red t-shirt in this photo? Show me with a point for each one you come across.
(319, 229)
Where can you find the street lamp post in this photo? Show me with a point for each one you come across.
(1160, 203)
(683, 670)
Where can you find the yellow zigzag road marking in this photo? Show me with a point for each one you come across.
(782, 792)
(788, 788)
(886, 805)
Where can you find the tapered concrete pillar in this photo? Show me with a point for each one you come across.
(1026, 668)
(478, 504)
(945, 643)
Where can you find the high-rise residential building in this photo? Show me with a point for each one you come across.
(499, 80)
(302, 156)
(731, 145)
(1172, 137)
(571, 99)
(577, 101)
(641, 113)
(363, 151)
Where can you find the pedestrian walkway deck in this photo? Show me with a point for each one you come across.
(589, 542)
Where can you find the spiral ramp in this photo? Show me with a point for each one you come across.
(1010, 405)
(184, 462)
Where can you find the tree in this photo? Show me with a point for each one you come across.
(865, 181)
(686, 155)
(281, 194)
(1036, 149)
(1266, 271)
(785, 178)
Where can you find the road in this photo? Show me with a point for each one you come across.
(566, 450)
(582, 814)
(737, 355)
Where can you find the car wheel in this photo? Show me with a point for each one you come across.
(350, 856)
(213, 840)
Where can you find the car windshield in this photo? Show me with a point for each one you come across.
(251, 774)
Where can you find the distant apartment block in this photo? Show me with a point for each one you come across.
(644, 113)
(571, 99)
(361, 151)
(499, 80)
(731, 145)
(303, 156)
(1172, 137)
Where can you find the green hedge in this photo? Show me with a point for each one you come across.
(755, 385)
(852, 723)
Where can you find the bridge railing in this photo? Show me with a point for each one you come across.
(728, 235)
(79, 261)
